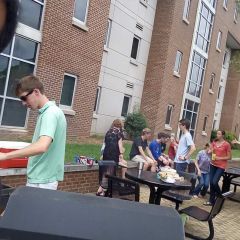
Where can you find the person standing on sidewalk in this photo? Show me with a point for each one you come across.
(221, 153)
(186, 146)
(46, 153)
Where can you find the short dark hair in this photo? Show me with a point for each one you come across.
(6, 34)
(163, 135)
(185, 122)
(27, 84)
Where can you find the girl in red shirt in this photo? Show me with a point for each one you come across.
(221, 153)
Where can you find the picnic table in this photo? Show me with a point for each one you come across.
(156, 186)
(229, 174)
(34, 213)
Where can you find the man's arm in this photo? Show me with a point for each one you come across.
(142, 152)
(191, 151)
(149, 153)
(39, 147)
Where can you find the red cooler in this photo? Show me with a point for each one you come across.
(6, 147)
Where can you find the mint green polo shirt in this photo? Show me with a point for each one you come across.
(49, 166)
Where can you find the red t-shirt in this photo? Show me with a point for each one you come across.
(171, 151)
(221, 151)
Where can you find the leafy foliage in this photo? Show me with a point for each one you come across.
(134, 124)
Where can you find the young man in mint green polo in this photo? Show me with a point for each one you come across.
(46, 153)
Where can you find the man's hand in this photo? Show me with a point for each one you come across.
(182, 158)
(2, 156)
(199, 173)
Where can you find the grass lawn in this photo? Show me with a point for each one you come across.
(93, 150)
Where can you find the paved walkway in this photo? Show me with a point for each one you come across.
(227, 223)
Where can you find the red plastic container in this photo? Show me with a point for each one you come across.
(6, 147)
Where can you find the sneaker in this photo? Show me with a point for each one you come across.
(207, 204)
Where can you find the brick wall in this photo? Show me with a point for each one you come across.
(81, 181)
(66, 48)
(161, 88)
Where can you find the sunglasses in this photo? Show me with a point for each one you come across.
(24, 98)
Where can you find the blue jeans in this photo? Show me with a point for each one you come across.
(181, 167)
(203, 184)
(215, 175)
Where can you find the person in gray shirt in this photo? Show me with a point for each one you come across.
(186, 146)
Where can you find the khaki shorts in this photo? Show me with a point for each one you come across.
(50, 186)
(139, 158)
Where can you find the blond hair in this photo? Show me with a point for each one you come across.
(146, 131)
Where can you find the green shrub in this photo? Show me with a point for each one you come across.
(134, 124)
(213, 135)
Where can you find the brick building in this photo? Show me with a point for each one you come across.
(188, 67)
(61, 42)
(174, 59)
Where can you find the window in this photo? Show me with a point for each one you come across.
(225, 59)
(214, 125)
(80, 10)
(219, 92)
(190, 112)
(219, 40)
(205, 123)
(225, 3)
(196, 75)
(125, 106)
(169, 115)
(16, 61)
(135, 47)
(186, 9)
(97, 99)
(178, 62)
(30, 13)
(212, 3)
(212, 80)
(236, 15)
(68, 89)
(204, 28)
(107, 36)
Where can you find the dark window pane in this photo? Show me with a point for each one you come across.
(192, 133)
(194, 119)
(188, 115)
(190, 105)
(1, 100)
(125, 106)
(204, 124)
(196, 105)
(134, 48)
(14, 114)
(169, 114)
(25, 49)
(198, 91)
(7, 50)
(80, 9)
(3, 73)
(67, 91)
(96, 100)
(18, 70)
(30, 13)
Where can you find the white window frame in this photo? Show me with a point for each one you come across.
(133, 60)
(129, 103)
(236, 15)
(225, 4)
(219, 41)
(65, 107)
(186, 10)
(177, 71)
(170, 107)
(76, 21)
(108, 34)
(97, 100)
